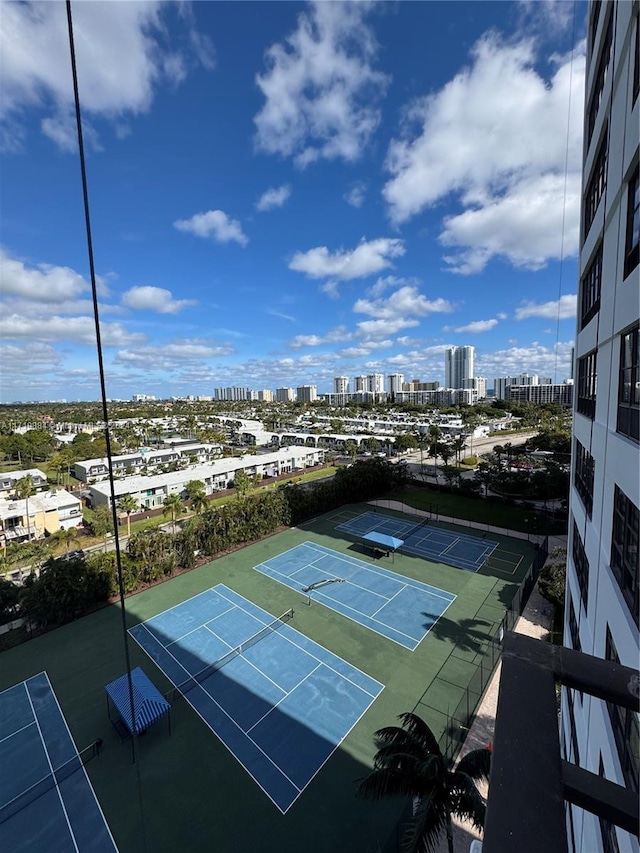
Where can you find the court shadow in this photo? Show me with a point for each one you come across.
(464, 634)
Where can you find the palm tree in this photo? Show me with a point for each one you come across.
(66, 537)
(24, 489)
(199, 502)
(173, 504)
(128, 504)
(409, 762)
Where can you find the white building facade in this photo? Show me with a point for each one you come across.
(341, 385)
(602, 612)
(458, 366)
(395, 381)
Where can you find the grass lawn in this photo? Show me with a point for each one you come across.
(481, 510)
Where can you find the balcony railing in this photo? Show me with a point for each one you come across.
(530, 782)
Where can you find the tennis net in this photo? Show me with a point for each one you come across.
(415, 528)
(208, 670)
(48, 782)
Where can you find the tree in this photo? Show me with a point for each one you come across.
(552, 580)
(128, 504)
(102, 522)
(193, 488)
(409, 762)
(24, 489)
(66, 537)
(406, 442)
(199, 502)
(172, 504)
(242, 483)
(9, 601)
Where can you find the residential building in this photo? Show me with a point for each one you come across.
(150, 492)
(539, 394)
(478, 384)
(285, 395)
(143, 398)
(265, 396)
(232, 394)
(8, 480)
(458, 366)
(39, 515)
(359, 384)
(341, 385)
(307, 393)
(440, 397)
(395, 383)
(375, 383)
(146, 460)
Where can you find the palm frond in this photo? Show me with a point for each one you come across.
(384, 782)
(424, 830)
(418, 728)
(476, 764)
(466, 801)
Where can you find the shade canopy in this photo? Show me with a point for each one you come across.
(383, 539)
(148, 703)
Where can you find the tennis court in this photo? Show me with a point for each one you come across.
(425, 540)
(46, 799)
(279, 702)
(399, 608)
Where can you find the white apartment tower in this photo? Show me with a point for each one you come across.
(375, 383)
(458, 366)
(285, 395)
(359, 384)
(602, 613)
(395, 381)
(307, 393)
(341, 385)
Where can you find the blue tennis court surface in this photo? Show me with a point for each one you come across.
(432, 543)
(47, 802)
(281, 706)
(399, 608)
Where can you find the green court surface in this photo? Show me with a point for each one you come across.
(195, 796)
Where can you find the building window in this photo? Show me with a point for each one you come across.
(631, 252)
(587, 382)
(583, 476)
(607, 829)
(572, 728)
(624, 549)
(574, 631)
(582, 569)
(594, 21)
(600, 80)
(596, 186)
(629, 384)
(590, 286)
(626, 729)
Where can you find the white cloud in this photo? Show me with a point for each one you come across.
(366, 259)
(473, 328)
(321, 91)
(338, 335)
(355, 195)
(171, 356)
(79, 330)
(398, 311)
(40, 283)
(387, 281)
(495, 137)
(563, 309)
(273, 197)
(120, 52)
(330, 288)
(158, 299)
(215, 224)
(280, 314)
(544, 360)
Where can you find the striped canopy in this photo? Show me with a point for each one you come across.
(148, 703)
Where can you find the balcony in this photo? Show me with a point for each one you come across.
(530, 782)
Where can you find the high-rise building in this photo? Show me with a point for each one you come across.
(265, 396)
(359, 383)
(375, 383)
(458, 366)
(478, 384)
(285, 395)
(307, 393)
(341, 385)
(395, 381)
(602, 612)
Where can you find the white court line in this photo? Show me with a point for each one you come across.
(173, 607)
(46, 752)
(244, 734)
(324, 662)
(308, 675)
(17, 732)
(364, 625)
(84, 769)
(373, 615)
(193, 630)
(384, 573)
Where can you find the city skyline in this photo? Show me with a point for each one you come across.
(275, 201)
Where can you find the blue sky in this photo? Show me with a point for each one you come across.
(282, 193)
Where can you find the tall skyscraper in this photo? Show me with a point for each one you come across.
(359, 383)
(458, 366)
(341, 385)
(307, 393)
(602, 613)
(375, 383)
(395, 381)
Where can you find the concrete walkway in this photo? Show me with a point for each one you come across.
(536, 621)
